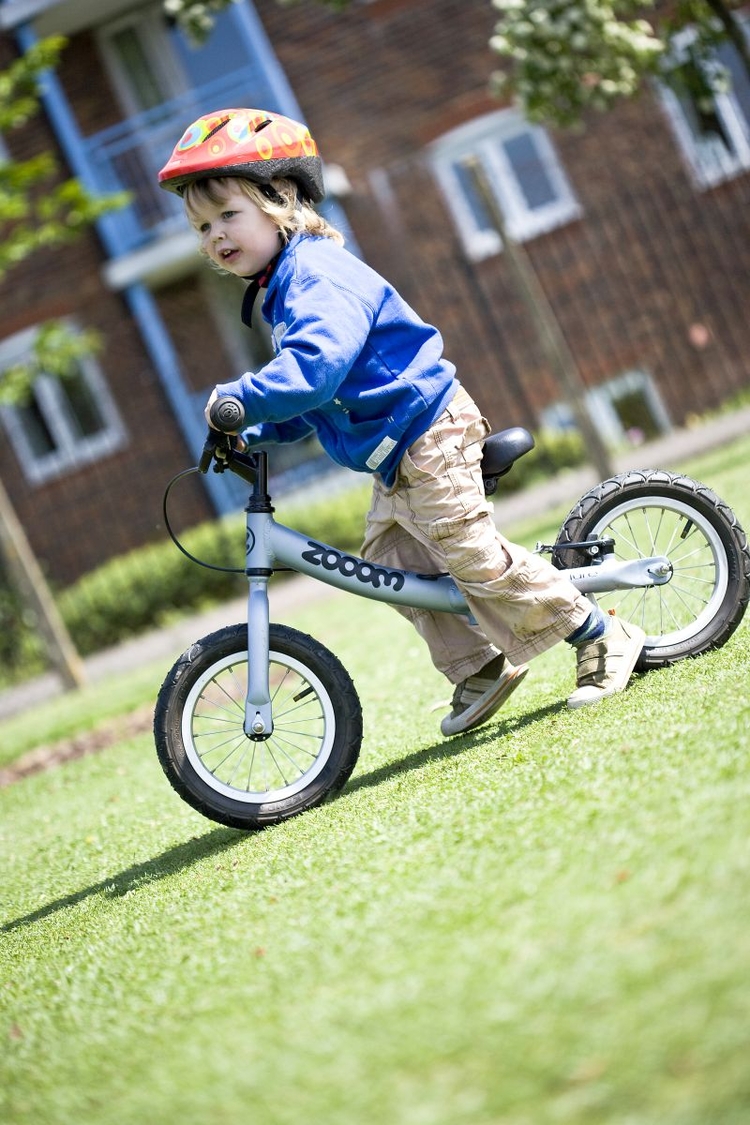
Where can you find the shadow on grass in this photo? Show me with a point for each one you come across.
(449, 749)
(170, 861)
(219, 839)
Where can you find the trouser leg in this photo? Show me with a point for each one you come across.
(523, 605)
(457, 647)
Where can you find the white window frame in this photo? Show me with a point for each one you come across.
(72, 450)
(601, 402)
(154, 39)
(709, 161)
(483, 138)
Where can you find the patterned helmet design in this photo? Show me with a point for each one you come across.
(252, 143)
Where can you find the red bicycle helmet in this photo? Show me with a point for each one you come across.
(252, 143)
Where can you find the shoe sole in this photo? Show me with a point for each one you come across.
(486, 706)
(630, 659)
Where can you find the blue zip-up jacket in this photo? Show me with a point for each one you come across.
(354, 363)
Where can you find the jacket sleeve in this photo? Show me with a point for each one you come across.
(273, 433)
(327, 325)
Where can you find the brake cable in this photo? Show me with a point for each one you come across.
(173, 536)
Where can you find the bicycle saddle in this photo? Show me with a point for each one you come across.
(501, 450)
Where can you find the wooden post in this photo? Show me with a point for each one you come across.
(547, 326)
(25, 574)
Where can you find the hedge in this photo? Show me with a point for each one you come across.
(150, 586)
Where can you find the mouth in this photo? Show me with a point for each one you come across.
(226, 255)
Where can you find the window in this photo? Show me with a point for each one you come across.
(522, 169)
(712, 128)
(150, 62)
(626, 410)
(162, 81)
(141, 65)
(67, 423)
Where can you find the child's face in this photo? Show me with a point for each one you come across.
(235, 233)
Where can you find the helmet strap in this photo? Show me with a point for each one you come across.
(271, 194)
(257, 281)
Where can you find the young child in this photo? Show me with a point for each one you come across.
(356, 366)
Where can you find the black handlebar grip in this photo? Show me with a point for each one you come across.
(227, 414)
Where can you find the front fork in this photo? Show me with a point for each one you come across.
(258, 718)
(259, 566)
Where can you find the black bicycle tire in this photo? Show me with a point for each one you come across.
(606, 498)
(199, 660)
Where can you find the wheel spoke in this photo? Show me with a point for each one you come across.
(248, 781)
(645, 521)
(298, 746)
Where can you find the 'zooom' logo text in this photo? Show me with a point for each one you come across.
(350, 567)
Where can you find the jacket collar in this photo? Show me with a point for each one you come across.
(257, 281)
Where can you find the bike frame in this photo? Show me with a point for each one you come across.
(271, 546)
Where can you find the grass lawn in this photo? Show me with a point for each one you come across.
(544, 921)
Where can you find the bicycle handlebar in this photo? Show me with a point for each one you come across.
(227, 414)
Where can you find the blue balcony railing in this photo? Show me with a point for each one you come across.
(128, 156)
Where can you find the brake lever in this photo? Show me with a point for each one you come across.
(218, 447)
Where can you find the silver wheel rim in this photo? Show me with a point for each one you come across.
(256, 772)
(678, 611)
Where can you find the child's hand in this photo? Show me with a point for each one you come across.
(207, 410)
(238, 442)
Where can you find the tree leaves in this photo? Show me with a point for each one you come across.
(567, 56)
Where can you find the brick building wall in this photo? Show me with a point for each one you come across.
(653, 276)
(649, 278)
(84, 517)
(380, 80)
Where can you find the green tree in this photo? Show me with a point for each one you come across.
(38, 210)
(196, 17)
(35, 209)
(566, 56)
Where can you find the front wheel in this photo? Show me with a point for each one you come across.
(238, 780)
(652, 512)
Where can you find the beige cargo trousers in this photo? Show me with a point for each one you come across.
(435, 519)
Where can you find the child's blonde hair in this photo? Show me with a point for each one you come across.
(290, 214)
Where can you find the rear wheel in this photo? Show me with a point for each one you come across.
(239, 780)
(652, 512)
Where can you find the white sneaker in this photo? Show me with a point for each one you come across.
(477, 698)
(605, 665)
